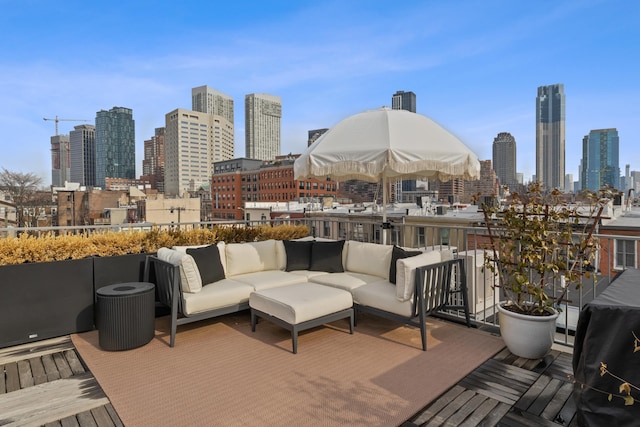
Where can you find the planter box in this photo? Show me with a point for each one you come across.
(45, 300)
(118, 269)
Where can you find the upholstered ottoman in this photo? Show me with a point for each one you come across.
(301, 306)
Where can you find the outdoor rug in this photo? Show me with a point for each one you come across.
(221, 373)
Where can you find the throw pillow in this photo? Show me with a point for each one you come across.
(298, 254)
(208, 261)
(327, 257)
(399, 253)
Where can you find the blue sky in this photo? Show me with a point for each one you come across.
(474, 66)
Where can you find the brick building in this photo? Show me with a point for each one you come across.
(248, 180)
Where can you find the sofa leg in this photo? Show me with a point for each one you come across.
(254, 320)
(351, 323)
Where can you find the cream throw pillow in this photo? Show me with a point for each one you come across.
(189, 273)
(406, 272)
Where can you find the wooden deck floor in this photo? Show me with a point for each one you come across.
(507, 391)
(46, 383)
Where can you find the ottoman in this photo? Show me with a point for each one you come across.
(301, 306)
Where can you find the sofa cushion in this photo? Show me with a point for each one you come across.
(189, 274)
(298, 254)
(269, 279)
(301, 302)
(225, 293)
(250, 257)
(396, 254)
(381, 295)
(221, 251)
(407, 271)
(208, 261)
(327, 257)
(369, 258)
(347, 280)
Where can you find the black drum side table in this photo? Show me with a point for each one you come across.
(126, 315)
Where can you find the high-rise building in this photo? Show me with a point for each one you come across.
(115, 145)
(402, 100)
(504, 159)
(208, 100)
(82, 140)
(600, 159)
(263, 114)
(550, 135)
(153, 162)
(315, 134)
(193, 141)
(60, 160)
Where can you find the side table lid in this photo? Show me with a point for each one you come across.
(127, 288)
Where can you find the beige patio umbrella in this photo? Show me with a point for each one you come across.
(384, 144)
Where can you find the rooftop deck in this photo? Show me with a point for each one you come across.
(46, 383)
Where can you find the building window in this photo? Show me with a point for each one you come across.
(420, 236)
(625, 254)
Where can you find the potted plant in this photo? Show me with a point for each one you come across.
(540, 246)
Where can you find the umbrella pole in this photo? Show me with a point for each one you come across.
(385, 226)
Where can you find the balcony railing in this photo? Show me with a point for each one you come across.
(464, 241)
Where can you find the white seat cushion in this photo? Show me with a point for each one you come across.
(382, 295)
(347, 280)
(223, 293)
(269, 279)
(406, 272)
(369, 258)
(307, 273)
(302, 302)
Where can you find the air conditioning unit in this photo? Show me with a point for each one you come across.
(483, 297)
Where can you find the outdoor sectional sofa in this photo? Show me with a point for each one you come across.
(200, 282)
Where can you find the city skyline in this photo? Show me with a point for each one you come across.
(475, 72)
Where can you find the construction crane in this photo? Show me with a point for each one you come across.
(64, 120)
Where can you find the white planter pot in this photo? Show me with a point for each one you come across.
(527, 336)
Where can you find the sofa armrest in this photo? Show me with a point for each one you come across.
(434, 285)
(167, 281)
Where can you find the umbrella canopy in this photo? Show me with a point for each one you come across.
(384, 144)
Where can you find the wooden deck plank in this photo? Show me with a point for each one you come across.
(13, 377)
(554, 407)
(490, 390)
(102, 417)
(71, 421)
(453, 407)
(495, 415)
(62, 365)
(85, 419)
(37, 369)
(532, 394)
(3, 385)
(567, 414)
(114, 416)
(24, 372)
(50, 368)
(466, 410)
(52, 401)
(522, 418)
(546, 396)
(35, 349)
(438, 404)
(74, 362)
(501, 382)
(480, 413)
